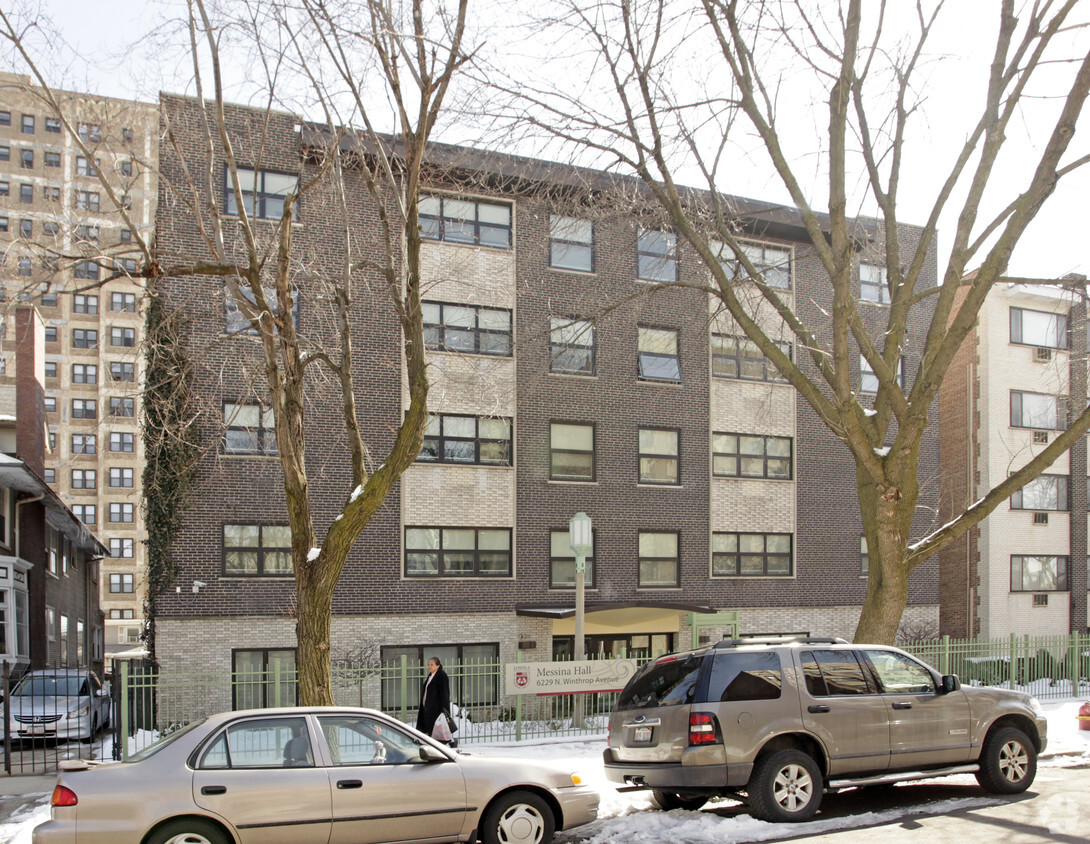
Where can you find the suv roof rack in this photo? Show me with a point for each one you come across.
(782, 640)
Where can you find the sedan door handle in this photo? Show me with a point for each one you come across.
(817, 707)
(901, 704)
(213, 789)
(349, 783)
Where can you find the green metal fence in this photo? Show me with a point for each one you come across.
(153, 703)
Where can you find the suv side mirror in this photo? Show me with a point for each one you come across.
(950, 683)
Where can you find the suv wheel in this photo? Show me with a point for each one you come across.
(1008, 762)
(786, 786)
(668, 800)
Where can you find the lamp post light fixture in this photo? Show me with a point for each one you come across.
(581, 540)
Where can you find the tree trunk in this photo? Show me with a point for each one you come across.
(312, 629)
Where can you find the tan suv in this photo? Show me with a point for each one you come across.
(778, 722)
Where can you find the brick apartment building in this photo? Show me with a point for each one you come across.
(1019, 377)
(62, 239)
(712, 487)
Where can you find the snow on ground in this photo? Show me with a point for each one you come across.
(628, 818)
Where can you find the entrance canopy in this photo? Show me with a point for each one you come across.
(627, 616)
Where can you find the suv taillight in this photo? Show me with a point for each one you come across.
(702, 728)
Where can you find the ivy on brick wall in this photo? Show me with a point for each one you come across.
(170, 446)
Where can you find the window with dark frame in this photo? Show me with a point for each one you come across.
(51, 159)
(84, 373)
(1038, 573)
(5, 118)
(86, 167)
(1038, 328)
(868, 381)
(122, 336)
(86, 269)
(236, 322)
(121, 476)
(873, 284)
(26, 159)
(659, 452)
(752, 555)
(122, 406)
(84, 338)
(571, 451)
(121, 512)
(122, 371)
(457, 552)
(263, 192)
(86, 513)
(571, 346)
(87, 200)
(562, 561)
(84, 479)
(28, 124)
(263, 677)
(1045, 492)
(26, 229)
(51, 334)
(659, 559)
(121, 583)
(474, 680)
(571, 244)
(124, 302)
(771, 260)
(1038, 410)
(84, 408)
(469, 329)
(122, 441)
(257, 550)
(468, 221)
(84, 304)
(453, 438)
(656, 255)
(89, 132)
(50, 369)
(248, 429)
(53, 124)
(657, 354)
(121, 547)
(751, 456)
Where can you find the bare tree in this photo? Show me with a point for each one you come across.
(687, 85)
(401, 57)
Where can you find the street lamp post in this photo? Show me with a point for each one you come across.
(581, 541)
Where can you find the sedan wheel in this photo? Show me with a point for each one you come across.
(187, 831)
(518, 817)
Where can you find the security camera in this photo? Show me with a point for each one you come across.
(198, 585)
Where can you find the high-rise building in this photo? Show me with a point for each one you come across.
(68, 251)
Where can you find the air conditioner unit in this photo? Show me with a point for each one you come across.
(1042, 354)
(1040, 437)
(1040, 518)
(1040, 600)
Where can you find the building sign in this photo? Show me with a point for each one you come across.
(565, 678)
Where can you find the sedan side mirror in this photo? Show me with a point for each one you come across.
(950, 683)
(432, 754)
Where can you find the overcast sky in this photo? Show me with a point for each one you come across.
(1055, 244)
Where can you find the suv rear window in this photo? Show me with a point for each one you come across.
(667, 682)
(833, 673)
(742, 676)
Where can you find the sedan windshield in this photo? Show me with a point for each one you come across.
(38, 686)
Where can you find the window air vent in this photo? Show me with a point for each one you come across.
(1040, 600)
(1040, 437)
(1040, 518)
(1043, 354)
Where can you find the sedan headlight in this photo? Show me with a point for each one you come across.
(576, 779)
(78, 710)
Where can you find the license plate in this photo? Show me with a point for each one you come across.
(641, 734)
(34, 730)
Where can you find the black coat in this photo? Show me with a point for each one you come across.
(434, 698)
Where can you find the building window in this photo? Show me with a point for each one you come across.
(5, 118)
(864, 557)
(86, 269)
(257, 550)
(51, 334)
(50, 476)
(1045, 492)
(51, 159)
(50, 369)
(562, 561)
(126, 168)
(25, 267)
(751, 456)
(128, 266)
(86, 234)
(657, 352)
(26, 229)
(473, 678)
(84, 338)
(121, 583)
(1038, 573)
(236, 322)
(5, 153)
(263, 192)
(873, 284)
(84, 373)
(465, 221)
(51, 193)
(739, 357)
(659, 456)
(122, 406)
(120, 477)
(868, 381)
(457, 552)
(467, 439)
(121, 512)
(1038, 328)
(248, 429)
(1037, 410)
(50, 404)
(86, 167)
(84, 444)
(121, 548)
(467, 328)
(84, 304)
(571, 346)
(751, 555)
(26, 159)
(5, 187)
(123, 302)
(126, 135)
(122, 336)
(3, 224)
(87, 200)
(771, 261)
(121, 441)
(89, 133)
(53, 124)
(86, 513)
(125, 235)
(656, 255)
(28, 124)
(84, 479)
(658, 558)
(121, 614)
(264, 677)
(26, 194)
(84, 408)
(571, 451)
(122, 371)
(571, 244)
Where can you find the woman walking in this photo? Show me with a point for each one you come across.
(434, 696)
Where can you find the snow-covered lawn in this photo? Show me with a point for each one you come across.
(627, 818)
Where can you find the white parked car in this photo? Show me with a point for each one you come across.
(61, 703)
